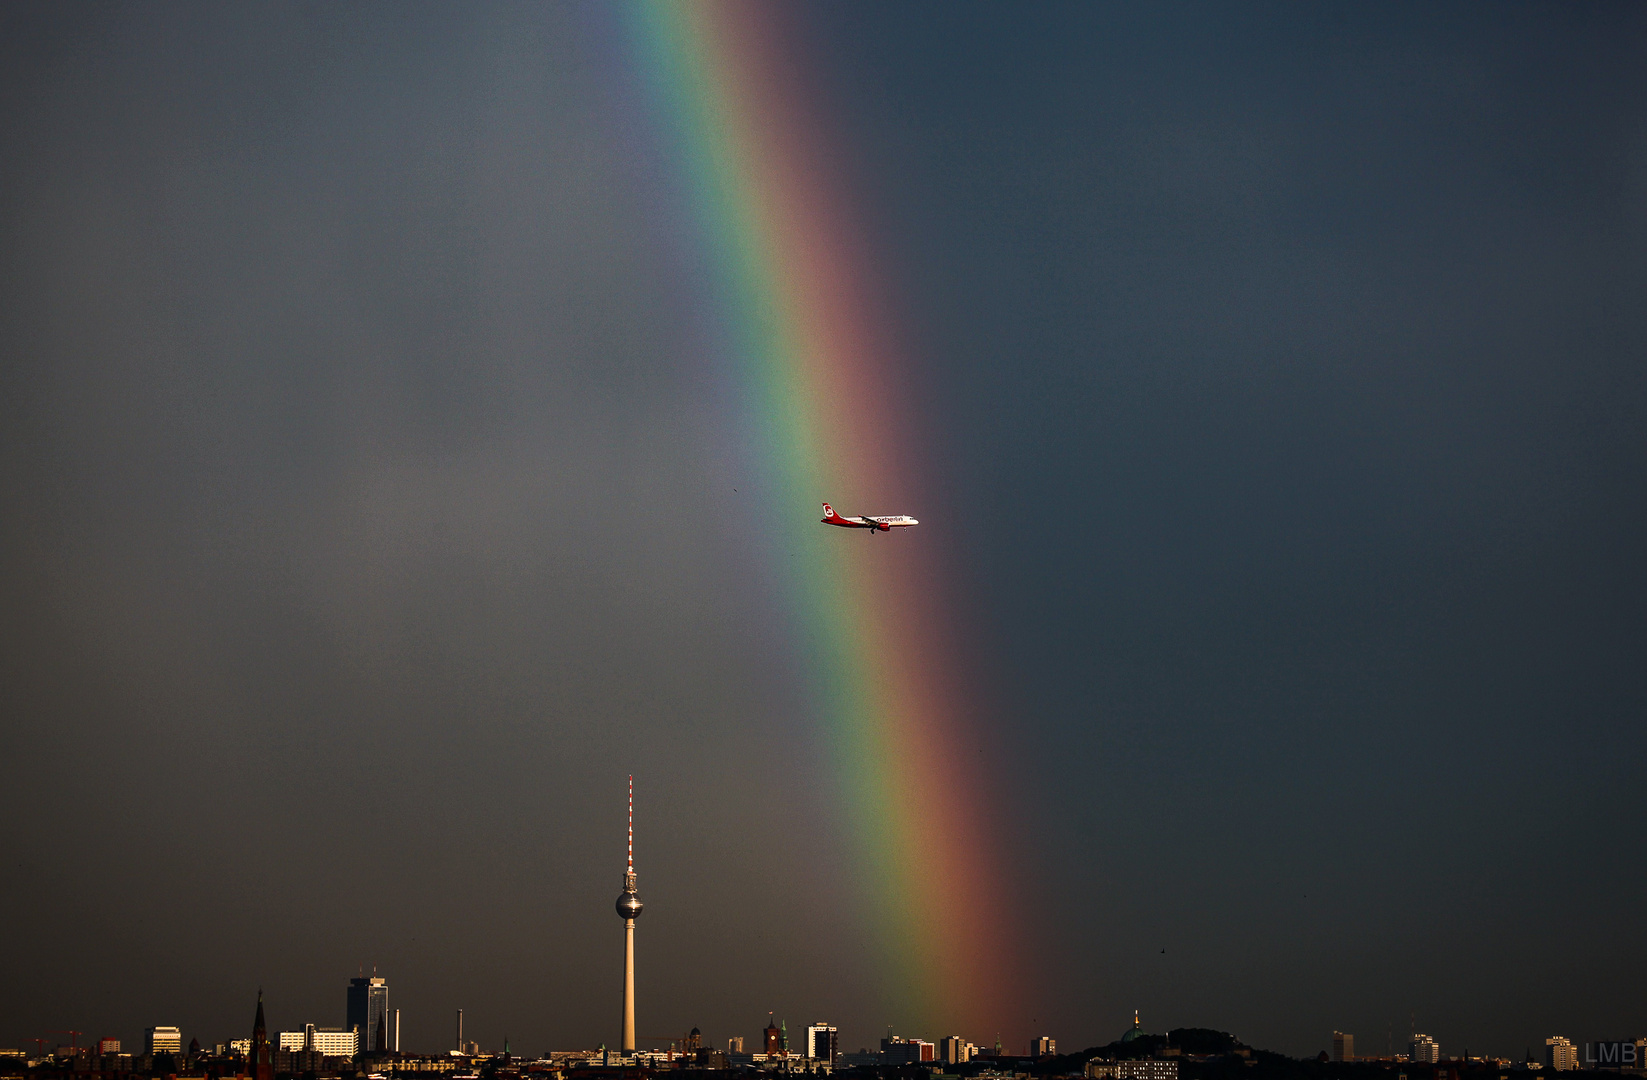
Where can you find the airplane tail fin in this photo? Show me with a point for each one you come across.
(828, 511)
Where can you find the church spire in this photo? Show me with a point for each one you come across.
(261, 1060)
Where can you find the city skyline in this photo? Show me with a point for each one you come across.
(366, 1011)
(414, 420)
(821, 1045)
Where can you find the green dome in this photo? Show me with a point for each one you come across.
(1136, 1031)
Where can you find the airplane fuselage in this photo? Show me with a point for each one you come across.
(884, 523)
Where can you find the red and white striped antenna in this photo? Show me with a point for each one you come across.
(631, 824)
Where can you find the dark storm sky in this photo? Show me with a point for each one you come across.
(365, 520)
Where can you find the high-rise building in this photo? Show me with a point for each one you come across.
(1043, 1046)
(629, 909)
(954, 1050)
(107, 1045)
(734, 1044)
(1343, 1046)
(368, 1012)
(1424, 1049)
(163, 1040)
(1559, 1054)
(822, 1042)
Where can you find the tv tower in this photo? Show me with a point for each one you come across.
(629, 909)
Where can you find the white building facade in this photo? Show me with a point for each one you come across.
(163, 1040)
(333, 1042)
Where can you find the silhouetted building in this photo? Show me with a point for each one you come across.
(896, 1051)
(368, 1012)
(260, 1055)
(1144, 1069)
(1343, 1046)
(822, 1042)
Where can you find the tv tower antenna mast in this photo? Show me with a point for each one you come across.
(629, 909)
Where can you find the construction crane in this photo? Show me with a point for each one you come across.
(74, 1036)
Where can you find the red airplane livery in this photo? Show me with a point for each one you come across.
(874, 524)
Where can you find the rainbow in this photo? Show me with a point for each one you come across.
(792, 308)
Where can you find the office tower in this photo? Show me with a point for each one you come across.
(460, 1032)
(163, 1040)
(822, 1042)
(734, 1044)
(1423, 1049)
(108, 1046)
(1043, 1046)
(1559, 1054)
(629, 909)
(1343, 1046)
(368, 1012)
(954, 1050)
(259, 1055)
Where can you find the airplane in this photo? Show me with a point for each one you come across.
(873, 524)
